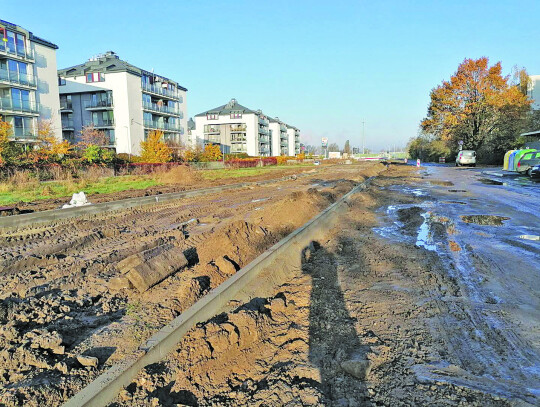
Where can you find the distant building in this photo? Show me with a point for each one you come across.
(28, 82)
(235, 128)
(293, 140)
(533, 91)
(123, 101)
(280, 138)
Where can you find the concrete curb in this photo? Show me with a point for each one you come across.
(258, 278)
(54, 215)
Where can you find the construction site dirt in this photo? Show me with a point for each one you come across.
(365, 320)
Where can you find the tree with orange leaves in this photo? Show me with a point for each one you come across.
(154, 149)
(49, 146)
(479, 106)
(5, 133)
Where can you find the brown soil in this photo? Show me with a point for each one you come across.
(360, 323)
(59, 297)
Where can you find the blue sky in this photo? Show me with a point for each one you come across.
(323, 66)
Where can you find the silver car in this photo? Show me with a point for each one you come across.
(466, 157)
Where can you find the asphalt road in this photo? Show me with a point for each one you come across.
(498, 270)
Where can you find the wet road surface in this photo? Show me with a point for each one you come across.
(475, 223)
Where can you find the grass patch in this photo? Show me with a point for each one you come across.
(57, 189)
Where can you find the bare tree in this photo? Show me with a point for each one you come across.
(92, 136)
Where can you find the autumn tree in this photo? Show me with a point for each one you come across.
(5, 132)
(154, 149)
(212, 152)
(49, 146)
(477, 105)
(90, 136)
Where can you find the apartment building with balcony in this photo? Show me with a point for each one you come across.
(235, 128)
(294, 140)
(123, 101)
(28, 82)
(280, 137)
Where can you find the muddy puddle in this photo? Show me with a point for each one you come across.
(441, 183)
(484, 220)
(488, 181)
(457, 190)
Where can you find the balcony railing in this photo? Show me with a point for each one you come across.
(26, 54)
(152, 124)
(264, 149)
(263, 130)
(101, 123)
(158, 90)
(24, 133)
(65, 105)
(209, 129)
(238, 128)
(14, 77)
(283, 143)
(154, 107)
(67, 124)
(8, 105)
(282, 127)
(263, 121)
(264, 139)
(99, 104)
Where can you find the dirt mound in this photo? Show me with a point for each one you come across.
(181, 174)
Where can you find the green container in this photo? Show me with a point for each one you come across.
(518, 156)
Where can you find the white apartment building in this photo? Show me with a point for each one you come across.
(533, 91)
(294, 140)
(235, 128)
(280, 138)
(123, 101)
(28, 82)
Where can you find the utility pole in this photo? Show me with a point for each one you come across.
(363, 138)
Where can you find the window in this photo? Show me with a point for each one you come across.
(527, 156)
(236, 115)
(11, 42)
(61, 81)
(212, 116)
(95, 77)
(20, 44)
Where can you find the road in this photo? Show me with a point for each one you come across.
(497, 270)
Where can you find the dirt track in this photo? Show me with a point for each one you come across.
(63, 296)
(365, 321)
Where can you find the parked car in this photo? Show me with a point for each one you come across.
(466, 157)
(528, 161)
(534, 172)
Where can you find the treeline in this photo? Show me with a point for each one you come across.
(480, 107)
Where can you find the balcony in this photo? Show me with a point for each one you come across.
(283, 143)
(264, 139)
(157, 125)
(161, 109)
(99, 105)
(66, 106)
(24, 134)
(11, 78)
(158, 90)
(25, 55)
(282, 127)
(24, 107)
(101, 124)
(213, 139)
(263, 121)
(264, 149)
(211, 129)
(67, 124)
(238, 128)
(263, 130)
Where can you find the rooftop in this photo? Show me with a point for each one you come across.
(232, 106)
(30, 35)
(108, 62)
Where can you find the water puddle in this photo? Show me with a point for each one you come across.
(457, 190)
(442, 183)
(454, 202)
(488, 181)
(484, 220)
(425, 238)
(529, 237)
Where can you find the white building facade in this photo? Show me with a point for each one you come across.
(293, 140)
(533, 91)
(123, 101)
(280, 138)
(235, 128)
(28, 82)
